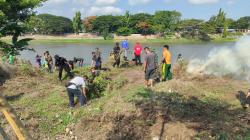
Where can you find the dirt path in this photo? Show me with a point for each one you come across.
(134, 76)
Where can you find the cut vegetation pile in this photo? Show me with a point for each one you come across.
(190, 107)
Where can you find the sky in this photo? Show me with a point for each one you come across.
(199, 9)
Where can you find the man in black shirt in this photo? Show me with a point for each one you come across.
(62, 64)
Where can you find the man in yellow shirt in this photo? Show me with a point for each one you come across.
(166, 64)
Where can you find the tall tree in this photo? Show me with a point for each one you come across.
(144, 27)
(137, 18)
(14, 14)
(168, 20)
(77, 23)
(243, 23)
(126, 19)
(50, 24)
(88, 23)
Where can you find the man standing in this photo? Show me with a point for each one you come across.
(77, 87)
(137, 53)
(117, 55)
(98, 58)
(49, 61)
(125, 47)
(166, 64)
(149, 67)
(62, 64)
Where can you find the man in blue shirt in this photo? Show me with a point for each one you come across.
(125, 47)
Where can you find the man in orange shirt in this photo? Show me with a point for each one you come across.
(166, 64)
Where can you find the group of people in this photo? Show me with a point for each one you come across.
(60, 63)
(150, 65)
(77, 86)
(45, 62)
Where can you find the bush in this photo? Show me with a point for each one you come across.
(100, 83)
(124, 31)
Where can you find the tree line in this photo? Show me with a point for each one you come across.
(17, 17)
(161, 23)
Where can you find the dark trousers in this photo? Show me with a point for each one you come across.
(67, 70)
(50, 68)
(75, 92)
(117, 62)
(137, 59)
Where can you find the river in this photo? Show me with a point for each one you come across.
(69, 51)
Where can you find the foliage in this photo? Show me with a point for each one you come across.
(126, 19)
(144, 28)
(231, 23)
(168, 20)
(124, 31)
(243, 23)
(88, 23)
(14, 14)
(77, 23)
(106, 24)
(138, 19)
(190, 23)
(225, 33)
(50, 24)
(101, 83)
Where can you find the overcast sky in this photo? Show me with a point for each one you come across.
(200, 9)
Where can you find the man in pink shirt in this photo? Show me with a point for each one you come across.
(137, 53)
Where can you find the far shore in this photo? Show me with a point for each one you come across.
(68, 40)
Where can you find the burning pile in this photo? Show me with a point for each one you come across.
(233, 61)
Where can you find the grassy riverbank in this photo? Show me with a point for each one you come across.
(189, 107)
(144, 41)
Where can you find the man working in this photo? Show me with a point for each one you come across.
(77, 87)
(166, 64)
(117, 54)
(149, 67)
(98, 58)
(49, 61)
(125, 47)
(62, 64)
(137, 53)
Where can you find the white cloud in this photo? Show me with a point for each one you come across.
(56, 2)
(104, 10)
(203, 1)
(82, 2)
(105, 2)
(136, 2)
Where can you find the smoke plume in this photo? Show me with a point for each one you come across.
(233, 61)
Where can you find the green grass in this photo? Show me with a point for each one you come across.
(144, 41)
(190, 102)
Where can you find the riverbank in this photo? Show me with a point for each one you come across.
(188, 107)
(61, 40)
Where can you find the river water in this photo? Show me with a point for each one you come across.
(69, 51)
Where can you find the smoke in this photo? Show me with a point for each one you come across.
(224, 61)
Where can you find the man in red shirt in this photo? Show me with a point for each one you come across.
(137, 53)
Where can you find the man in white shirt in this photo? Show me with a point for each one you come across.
(77, 87)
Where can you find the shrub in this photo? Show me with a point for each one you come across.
(124, 31)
